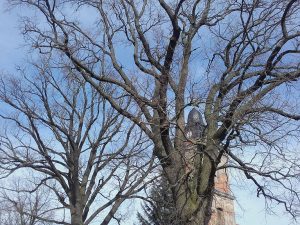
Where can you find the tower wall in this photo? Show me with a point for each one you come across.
(222, 211)
(223, 202)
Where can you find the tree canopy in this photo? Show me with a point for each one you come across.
(237, 61)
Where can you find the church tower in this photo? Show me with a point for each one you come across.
(223, 200)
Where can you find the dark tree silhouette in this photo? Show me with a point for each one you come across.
(161, 209)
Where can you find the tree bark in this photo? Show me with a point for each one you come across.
(76, 214)
(193, 188)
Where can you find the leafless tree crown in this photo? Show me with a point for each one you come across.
(237, 60)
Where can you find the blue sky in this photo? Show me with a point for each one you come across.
(11, 48)
(250, 210)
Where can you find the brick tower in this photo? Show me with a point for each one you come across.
(223, 201)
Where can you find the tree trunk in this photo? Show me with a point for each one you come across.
(192, 187)
(202, 214)
(76, 215)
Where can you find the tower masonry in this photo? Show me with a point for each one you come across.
(223, 201)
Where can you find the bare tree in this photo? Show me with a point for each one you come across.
(246, 92)
(88, 155)
(23, 208)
